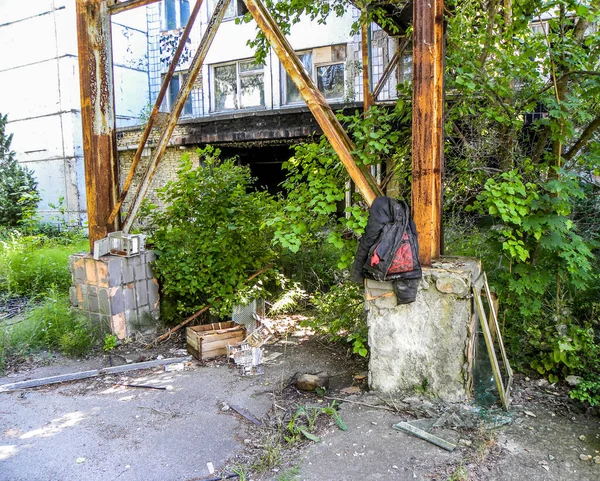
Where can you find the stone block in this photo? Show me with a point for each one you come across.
(73, 296)
(93, 304)
(119, 325)
(130, 299)
(423, 343)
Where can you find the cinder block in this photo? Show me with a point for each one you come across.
(141, 291)
(114, 270)
(90, 271)
(153, 294)
(127, 271)
(102, 274)
(130, 299)
(93, 305)
(117, 300)
(140, 272)
(103, 301)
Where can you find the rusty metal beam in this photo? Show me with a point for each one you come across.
(389, 68)
(428, 125)
(333, 130)
(153, 114)
(364, 47)
(170, 124)
(115, 6)
(97, 115)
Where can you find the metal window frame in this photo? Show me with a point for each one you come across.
(238, 83)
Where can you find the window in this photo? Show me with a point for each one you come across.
(174, 87)
(238, 86)
(176, 13)
(290, 93)
(236, 8)
(327, 64)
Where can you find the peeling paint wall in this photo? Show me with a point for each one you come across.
(40, 93)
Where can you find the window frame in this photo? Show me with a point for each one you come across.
(179, 24)
(169, 100)
(239, 74)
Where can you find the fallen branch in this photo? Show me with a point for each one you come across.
(143, 386)
(198, 314)
(88, 374)
(385, 408)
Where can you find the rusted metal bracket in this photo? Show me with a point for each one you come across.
(170, 124)
(153, 114)
(335, 133)
(389, 68)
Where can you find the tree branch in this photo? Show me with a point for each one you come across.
(585, 136)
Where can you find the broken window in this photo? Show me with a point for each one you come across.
(238, 86)
(236, 8)
(176, 14)
(330, 80)
(290, 93)
(327, 65)
(174, 87)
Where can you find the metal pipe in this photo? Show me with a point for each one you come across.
(115, 7)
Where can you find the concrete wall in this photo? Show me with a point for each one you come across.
(39, 75)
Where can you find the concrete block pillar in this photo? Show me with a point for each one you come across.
(119, 294)
(428, 345)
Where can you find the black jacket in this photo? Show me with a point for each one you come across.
(391, 218)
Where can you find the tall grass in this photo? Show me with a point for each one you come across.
(30, 265)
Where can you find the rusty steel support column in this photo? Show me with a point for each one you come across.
(366, 64)
(153, 114)
(97, 115)
(335, 133)
(428, 125)
(171, 123)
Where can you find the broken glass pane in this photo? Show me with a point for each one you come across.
(252, 90)
(330, 80)
(292, 94)
(226, 87)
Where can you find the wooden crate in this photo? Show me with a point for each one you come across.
(210, 340)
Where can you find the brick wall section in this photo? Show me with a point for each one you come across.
(119, 294)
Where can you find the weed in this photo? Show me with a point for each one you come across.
(290, 474)
(110, 342)
(459, 474)
(271, 455)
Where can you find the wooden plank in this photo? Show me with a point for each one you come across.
(428, 125)
(409, 428)
(88, 374)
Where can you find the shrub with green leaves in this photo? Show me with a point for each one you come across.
(18, 189)
(211, 235)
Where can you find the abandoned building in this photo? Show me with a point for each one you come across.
(251, 111)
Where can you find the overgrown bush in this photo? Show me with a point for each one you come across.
(211, 236)
(18, 189)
